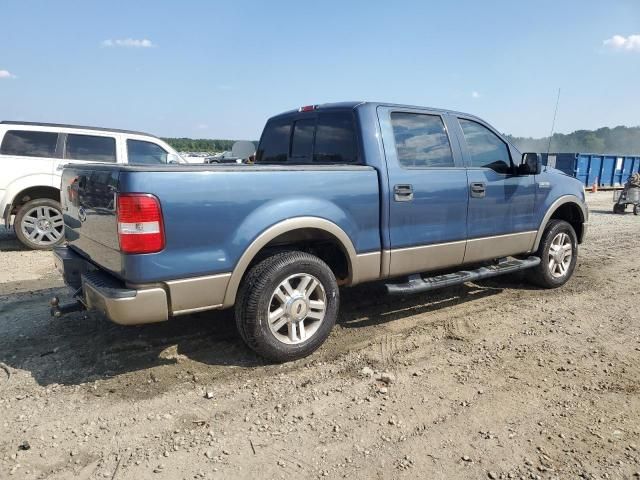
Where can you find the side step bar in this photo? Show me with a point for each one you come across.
(417, 284)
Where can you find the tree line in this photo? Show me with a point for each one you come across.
(199, 144)
(619, 140)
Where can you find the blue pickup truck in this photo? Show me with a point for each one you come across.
(340, 194)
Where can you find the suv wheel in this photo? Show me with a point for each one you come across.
(39, 224)
(558, 252)
(287, 306)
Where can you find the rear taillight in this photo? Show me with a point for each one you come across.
(140, 228)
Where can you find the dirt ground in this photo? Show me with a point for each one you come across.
(490, 380)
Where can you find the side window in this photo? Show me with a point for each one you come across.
(29, 144)
(302, 140)
(335, 139)
(140, 152)
(485, 148)
(421, 140)
(274, 145)
(91, 148)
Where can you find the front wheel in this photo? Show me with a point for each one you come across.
(636, 209)
(39, 224)
(287, 306)
(558, 253)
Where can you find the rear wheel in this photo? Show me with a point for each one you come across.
(558, 253)
(619, 207)
(287, 306)
(39, 224)
(636, 209)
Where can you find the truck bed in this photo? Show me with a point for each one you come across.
(211, 213)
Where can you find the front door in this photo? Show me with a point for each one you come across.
(428, 191)
(501, 204)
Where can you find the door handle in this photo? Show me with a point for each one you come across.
(478, 189)
(403, 193)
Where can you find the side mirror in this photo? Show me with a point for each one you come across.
(173, 158)
(531, 164)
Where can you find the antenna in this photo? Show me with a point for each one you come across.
(553, 124)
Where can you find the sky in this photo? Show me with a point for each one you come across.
(219, 69)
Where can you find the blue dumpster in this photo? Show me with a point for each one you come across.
(606, 169)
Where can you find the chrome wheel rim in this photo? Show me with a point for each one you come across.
(560, 255)
(297, 308)
(42, 225)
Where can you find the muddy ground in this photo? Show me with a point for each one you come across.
(490, 380)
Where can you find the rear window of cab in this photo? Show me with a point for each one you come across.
(324, 138)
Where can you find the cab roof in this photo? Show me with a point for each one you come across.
(354, 104)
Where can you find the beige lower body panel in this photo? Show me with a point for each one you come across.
(197, 294)
(404, 261)
(367, 267)
(487, 248)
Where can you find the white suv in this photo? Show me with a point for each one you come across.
(32, 156)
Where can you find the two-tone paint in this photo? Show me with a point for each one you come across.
(217, 219)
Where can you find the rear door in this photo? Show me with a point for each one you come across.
(80, 147)
(428, 190)
(501, 204)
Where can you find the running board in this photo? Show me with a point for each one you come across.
(417, 284)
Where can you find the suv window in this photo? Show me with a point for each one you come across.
(29, 144)
(90, 147)
(485, 148)
(140, 152)
(302, 141)
(421, 140)
(335, 139)
(274, 145)
(327, 138)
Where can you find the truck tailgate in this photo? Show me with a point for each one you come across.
(89, 210)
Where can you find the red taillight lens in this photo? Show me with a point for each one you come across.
(140, 226)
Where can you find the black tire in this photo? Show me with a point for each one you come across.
(23, 224)
(636, 209)
(256, 297)
(619, 208)
(542, 274)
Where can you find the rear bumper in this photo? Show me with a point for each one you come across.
(102, 292)
(137, 304)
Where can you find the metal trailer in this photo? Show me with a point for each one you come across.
(606, 170)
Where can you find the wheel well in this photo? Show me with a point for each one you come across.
(33, 193)
(314, 241)
(571, 213)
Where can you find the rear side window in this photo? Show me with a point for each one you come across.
(140, 152)
(91, 148)
(274, 146)
(335, 139)
(29, 144)
(485, 148)
(421, 140)
(327, 138)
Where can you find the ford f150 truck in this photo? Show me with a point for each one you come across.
(340, 194)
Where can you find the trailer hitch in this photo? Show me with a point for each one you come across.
(58, 309)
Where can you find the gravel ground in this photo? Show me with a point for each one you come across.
(494, 379)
